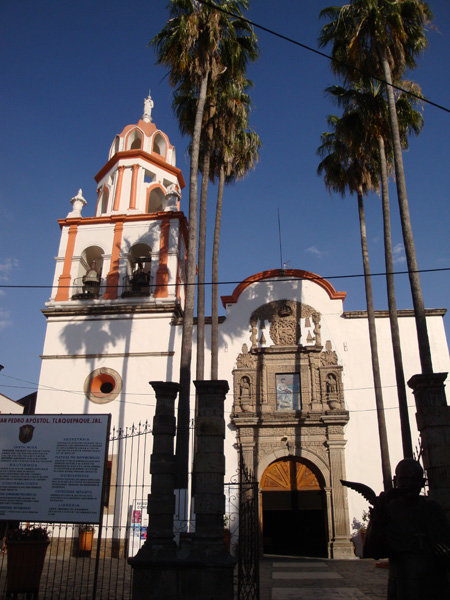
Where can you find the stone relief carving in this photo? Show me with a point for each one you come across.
(253, 333)
(316, 321)
(284, 322)
(245, 393)
(246, 360)
(284, 327)
(336, 429)
(328, 356)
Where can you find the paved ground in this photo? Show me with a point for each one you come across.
(284, 578)
(281, 578)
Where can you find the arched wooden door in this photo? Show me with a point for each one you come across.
(293, 510)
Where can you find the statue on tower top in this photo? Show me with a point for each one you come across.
(148, 105)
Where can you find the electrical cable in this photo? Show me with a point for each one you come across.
(323, 55)
(192, 396)
(237, 282)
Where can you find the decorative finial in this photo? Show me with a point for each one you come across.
(148, 105)
(77, 204)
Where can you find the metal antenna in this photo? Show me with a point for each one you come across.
(279, 235)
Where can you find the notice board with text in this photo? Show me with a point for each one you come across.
(52, 467)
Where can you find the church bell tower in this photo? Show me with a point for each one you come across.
(119, 279)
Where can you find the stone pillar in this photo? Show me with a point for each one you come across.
(209, 463)
(329, 513)
(161, 500)
(214, 579)
(154, 566)
(341, 547)
(433, 422)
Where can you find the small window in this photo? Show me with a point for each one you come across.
(134, 140)
(104, 202)
(159, 145)
(148, 177)
(103, 385)
(114, 147)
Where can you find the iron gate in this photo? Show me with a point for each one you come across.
(242, 507)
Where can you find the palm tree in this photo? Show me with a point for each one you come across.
(383, 38)
(368, 100)
(197, 44)
(184, 105)
(347, 165)
(233, 161)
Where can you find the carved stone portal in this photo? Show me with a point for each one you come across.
(270, 426)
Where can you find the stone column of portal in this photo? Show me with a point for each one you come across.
(433, 422)
(341, 546)
(210, 574)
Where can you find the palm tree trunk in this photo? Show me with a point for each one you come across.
(408, 239)
(215, 280)
(393, 318)
(200, 367)
(384, 447)
(182, 443)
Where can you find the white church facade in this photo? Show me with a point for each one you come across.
(301, 402)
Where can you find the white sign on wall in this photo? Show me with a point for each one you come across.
(52, 467)
(139, 524)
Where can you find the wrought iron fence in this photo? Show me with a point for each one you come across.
(84, 565)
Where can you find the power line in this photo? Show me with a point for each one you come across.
(324, 55)
(237, 282)
(152, 394)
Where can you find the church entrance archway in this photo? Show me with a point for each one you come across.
(293, 509)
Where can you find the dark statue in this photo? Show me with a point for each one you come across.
(412, 531)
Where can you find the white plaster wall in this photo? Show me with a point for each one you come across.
(8, 406)
(62, 380)
(136, 347)
(350, 340)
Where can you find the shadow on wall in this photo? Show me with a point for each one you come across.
(93, 342)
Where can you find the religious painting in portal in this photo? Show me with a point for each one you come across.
(288, 391)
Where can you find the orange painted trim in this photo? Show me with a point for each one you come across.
(289, 273)
(153, 159)
(162, 274)
(112, 280)
(110, 219)
(65, 279)
(120, 169)
(134, 182)
(147, 128)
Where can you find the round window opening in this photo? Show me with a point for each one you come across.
(103, 385)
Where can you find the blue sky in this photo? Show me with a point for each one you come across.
(74, 74)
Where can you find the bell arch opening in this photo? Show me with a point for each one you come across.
(293, 509)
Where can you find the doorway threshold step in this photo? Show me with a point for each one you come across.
(307, 575)
(299, 565)
(318, 594)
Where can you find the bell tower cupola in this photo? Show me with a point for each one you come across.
(140, 171)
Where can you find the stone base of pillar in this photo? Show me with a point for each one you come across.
(182, 580)
(342, 548)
